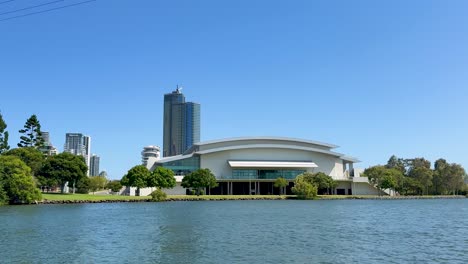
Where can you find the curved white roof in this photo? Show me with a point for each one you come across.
(220, 145)
(266, 138)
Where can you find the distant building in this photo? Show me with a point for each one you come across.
(46, 137)
(74, 143)
(94, 167)
(181, 124)
(251, 165)
(103, 174)
(87, 151)
(48, 148)
(79, 144)
(150, 155)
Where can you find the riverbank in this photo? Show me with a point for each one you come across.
(90, 198)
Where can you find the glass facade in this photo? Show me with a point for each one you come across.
(265, 174)
(183, 166)
(181, 124)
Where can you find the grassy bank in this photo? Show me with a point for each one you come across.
(228, 197)
(89, 197)
(84, 198)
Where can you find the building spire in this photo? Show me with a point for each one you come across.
(178, 89)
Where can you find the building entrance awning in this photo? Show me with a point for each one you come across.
(271, 164)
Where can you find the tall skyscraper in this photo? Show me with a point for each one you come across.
(94, 168)
(181, 124)
(87, 151)
(78, 144)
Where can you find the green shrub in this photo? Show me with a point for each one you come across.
(158, 195)
(304, 189)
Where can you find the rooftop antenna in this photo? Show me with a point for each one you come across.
(179, 88)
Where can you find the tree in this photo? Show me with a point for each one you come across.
(396, 163)
(97, 183)
(16, 181)
(82, 185)
(3, 136)
(281, 183)
(447, 178)
(304, 189)
(455, 180)
(114, 185)
(33, 158)
(136, 177)
(201, 178)
(388, 181)
(32, 135)
(3, 195)
(383, 178)
(162, 178)
(321, 180)
(424, 176)
(62, 168)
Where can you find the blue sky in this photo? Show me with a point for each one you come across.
(374, 77)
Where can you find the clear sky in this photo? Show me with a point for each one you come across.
(374, 77)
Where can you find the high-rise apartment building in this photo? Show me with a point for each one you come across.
(94, 168)
(45, 135)
(87, 151)
(48, 148)
(181, 123)
(78, 144)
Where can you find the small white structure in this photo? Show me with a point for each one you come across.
(177, 190)
(150, 155)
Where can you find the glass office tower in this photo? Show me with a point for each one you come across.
(181, 124)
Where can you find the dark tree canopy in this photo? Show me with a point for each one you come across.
(423, 175)
(382, 177)
(31, 134)
(3, 136)
(396, 163)
(136, 177)
(201, 178)
(31, 156)
(322, 181)
(62, 168)
(162, 178)
(16, 181)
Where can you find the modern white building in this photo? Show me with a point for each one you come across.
(149, 155)
(250, 165)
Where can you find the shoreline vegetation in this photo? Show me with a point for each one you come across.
(90, 198)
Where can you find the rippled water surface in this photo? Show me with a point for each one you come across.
(348, 231)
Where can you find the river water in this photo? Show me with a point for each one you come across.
(340, 231)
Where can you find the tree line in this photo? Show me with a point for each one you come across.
(162, 178)
(26, 170)
(417, 177)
